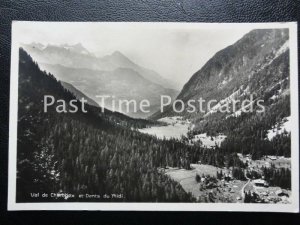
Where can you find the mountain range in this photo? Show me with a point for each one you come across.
(113, 75)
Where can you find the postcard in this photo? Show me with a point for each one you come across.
(154, 116)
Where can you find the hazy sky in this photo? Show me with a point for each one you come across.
(175, 51)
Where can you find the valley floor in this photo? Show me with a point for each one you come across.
(223, 192)
(175, 128)
(230, 191)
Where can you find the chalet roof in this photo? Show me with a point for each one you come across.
(259, 181)
(272, 157)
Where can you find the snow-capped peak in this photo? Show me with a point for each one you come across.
(78, 48)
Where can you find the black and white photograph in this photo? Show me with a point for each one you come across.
(144, 115)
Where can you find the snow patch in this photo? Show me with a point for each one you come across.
(239, 112)
(282, 49)
(209, 141)
(235, 95)
(224, 82)
(172, 120)
(279, 128)
(277, 95)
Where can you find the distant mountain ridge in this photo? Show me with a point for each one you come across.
(76, 56)
(121, 83)
(113, 75)
(122, 61)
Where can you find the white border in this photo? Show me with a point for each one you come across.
(293, 207)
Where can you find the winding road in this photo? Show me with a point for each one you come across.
(243, 188)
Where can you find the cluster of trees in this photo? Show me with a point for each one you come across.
(280, 177)
(253, 174)
(252, 197)
(220, 175)
(208, 182)
(238, 173)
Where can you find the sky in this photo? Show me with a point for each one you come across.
(174, 50)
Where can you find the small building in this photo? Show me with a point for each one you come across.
(260, 183)
(248, 157)
(272, 157)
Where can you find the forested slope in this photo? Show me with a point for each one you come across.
(95, 153)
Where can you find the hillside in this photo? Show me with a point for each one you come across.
(257, 65)
(121, 61)
(78, 94)
(95, 153)
(122, 83)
